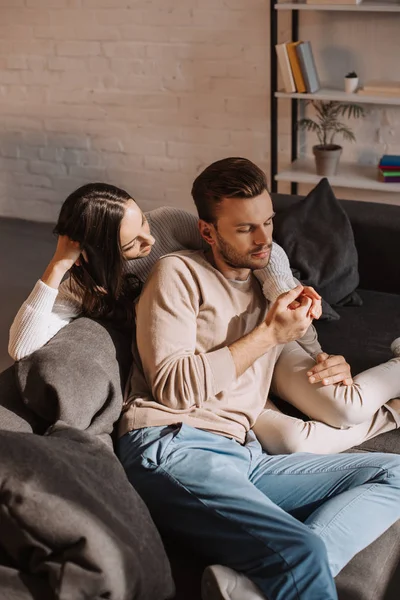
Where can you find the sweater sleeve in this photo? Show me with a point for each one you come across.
(41, 316)
(277, 276)
(276, 279)
(167, 312)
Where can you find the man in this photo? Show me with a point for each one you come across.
(208, 343)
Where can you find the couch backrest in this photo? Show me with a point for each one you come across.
(377, 234)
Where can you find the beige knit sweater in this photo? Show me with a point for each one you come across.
(187, 316)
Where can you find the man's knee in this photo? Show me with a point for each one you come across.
(390, 463)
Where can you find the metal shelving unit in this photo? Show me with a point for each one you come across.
(303, 170)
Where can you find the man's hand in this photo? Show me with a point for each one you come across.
(330, 369)
(316, 304)
(289, 322)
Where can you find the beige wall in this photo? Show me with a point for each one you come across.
(145, 93)
(140, 93)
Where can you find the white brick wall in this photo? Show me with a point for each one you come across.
(140, 93)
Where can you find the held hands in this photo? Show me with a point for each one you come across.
(330, 369)
(289, 317)
(316, 305)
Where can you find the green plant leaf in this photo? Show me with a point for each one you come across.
(327, 125)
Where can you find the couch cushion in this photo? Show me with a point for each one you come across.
(376, 230)
(318, 239)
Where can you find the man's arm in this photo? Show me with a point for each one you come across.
(167, 331)
(166, 338)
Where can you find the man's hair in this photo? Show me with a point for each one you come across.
(227, 178)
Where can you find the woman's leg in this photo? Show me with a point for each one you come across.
(337, 405)
(281, 434)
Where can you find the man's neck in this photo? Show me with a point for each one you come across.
(227, 270)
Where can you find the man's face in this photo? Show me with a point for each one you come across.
(242, 237)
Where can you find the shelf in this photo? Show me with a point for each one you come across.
(339, 95)
(363, 7)
(350, 175)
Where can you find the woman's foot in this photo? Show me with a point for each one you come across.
(222, 583)
(395, 347)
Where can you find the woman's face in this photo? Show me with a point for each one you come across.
(135, 237)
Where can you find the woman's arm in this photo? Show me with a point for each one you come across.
(41, 316)
(50, 306)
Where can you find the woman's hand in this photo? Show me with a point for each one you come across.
(316, 307)
(67, 252)
(66, 255)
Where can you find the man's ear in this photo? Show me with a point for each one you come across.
(207, 231)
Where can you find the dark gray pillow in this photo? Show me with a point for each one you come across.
(317, 236)
(78, 377)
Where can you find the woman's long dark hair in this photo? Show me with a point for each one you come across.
(92, 216)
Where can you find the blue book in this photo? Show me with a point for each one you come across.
(307, 65)
(390, 160)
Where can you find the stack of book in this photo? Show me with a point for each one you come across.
(381, 88)
(333, 1)
(389, 168)
(296, 62)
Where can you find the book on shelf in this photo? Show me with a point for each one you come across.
(382, 87)
(308, 68)
(333, 1)
(389, 160)
(388, 178)
(295, 66)
(377, 93)
(285, 68)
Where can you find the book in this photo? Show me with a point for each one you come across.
(295, 66)
(364, 92)
(308, 68)
(333, 1)
(285, 68)
(390, 160)
(390, 174)
(389, 180)
(386, 87)
(386, 169)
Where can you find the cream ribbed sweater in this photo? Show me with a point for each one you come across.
(187, 316)
(47, 310)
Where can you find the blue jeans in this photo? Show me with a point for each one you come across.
(290, 523)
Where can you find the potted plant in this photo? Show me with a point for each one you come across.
(351, 82)
(327, 125)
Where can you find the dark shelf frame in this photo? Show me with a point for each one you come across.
(274, 111)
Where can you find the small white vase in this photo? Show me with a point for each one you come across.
(350, 84)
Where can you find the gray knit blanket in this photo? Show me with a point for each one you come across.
(71, 525)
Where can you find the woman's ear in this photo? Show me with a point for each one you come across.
(207, 231)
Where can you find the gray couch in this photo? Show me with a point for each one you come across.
(363, 335)
(75, 381)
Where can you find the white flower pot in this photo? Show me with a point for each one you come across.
(350, 84)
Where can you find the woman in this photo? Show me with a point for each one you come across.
(102, 232)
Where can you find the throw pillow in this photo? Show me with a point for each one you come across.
(317, 236)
